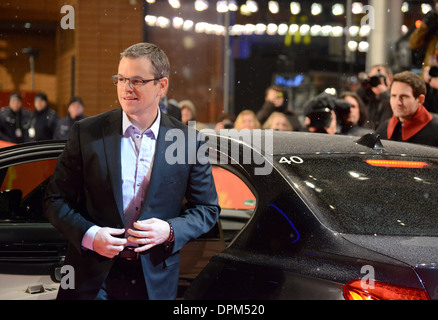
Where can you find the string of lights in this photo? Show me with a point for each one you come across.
(357, 33)
(252, 6)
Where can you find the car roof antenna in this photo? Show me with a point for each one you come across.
(371, 140)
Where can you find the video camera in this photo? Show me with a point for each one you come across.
(433, 72)
(376, 80)
(319, 110)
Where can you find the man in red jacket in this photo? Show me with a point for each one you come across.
(411, 122)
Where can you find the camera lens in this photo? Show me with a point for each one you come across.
(433, 72)
(374, 81)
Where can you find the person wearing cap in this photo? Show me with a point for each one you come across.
(411, 121)
(188, 114)
(14, 121)
(44, 119)
(75, 113)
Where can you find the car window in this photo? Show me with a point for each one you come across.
(371, 196)
(22, 190)
(236, 200)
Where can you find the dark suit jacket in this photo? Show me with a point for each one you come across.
(86, 189)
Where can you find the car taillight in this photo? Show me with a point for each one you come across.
(354, 290)
(397, 164)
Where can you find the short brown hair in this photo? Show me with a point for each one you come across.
(159, 60)
(413, 80)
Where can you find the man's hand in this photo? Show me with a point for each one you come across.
(149, 233)
(106, 244)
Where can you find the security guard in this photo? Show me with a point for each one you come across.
(44, 120)
(14, 121)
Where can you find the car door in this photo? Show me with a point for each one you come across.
(31, 250)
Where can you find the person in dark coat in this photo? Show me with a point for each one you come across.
(274, 102)
(44, 119)
(411, 122)
(14, 121)
(375, 95)
(75, 113)
(354, 122)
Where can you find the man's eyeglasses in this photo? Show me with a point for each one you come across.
(134, 82)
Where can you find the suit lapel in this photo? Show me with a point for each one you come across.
(159, 167)
(112, 135)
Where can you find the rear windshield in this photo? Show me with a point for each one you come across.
(371, 196)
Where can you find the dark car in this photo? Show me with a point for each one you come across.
(335, 217)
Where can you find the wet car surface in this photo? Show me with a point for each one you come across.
(335, 219)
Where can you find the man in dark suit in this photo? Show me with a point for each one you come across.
(117, 198)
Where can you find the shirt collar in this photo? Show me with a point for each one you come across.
(155, 127)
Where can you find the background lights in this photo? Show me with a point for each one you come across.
(163, 22)
(354, 31)
(283, 29)
(365, 31)
(252, 6)
(315, 30)
(337, 31)
(304, 29)
(224, 6)
(352, 46)
(358, 34)
(232, 5)
(188, 25)
(201, 5)
(177, 22)
(364, 46)
(293, 29)
(357, 7)
(338, 9)
(150, 20)
(425, 7)
(295, 8)
(405, 7)
(271, 29)
(175, 4)
(274, 7)
(316, 9)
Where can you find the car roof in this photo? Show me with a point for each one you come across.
(300, 143)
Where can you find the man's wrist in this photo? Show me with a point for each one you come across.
(168, 244)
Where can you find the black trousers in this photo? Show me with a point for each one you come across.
(124, 282)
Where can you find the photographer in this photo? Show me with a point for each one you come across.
(346, 116)
(374, 93)
(321, 113)
(426, 37)
(430, 76)
(353, 121)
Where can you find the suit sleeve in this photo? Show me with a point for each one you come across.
(202, 209)
(61, 205)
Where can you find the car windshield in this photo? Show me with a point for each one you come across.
(369, 195)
